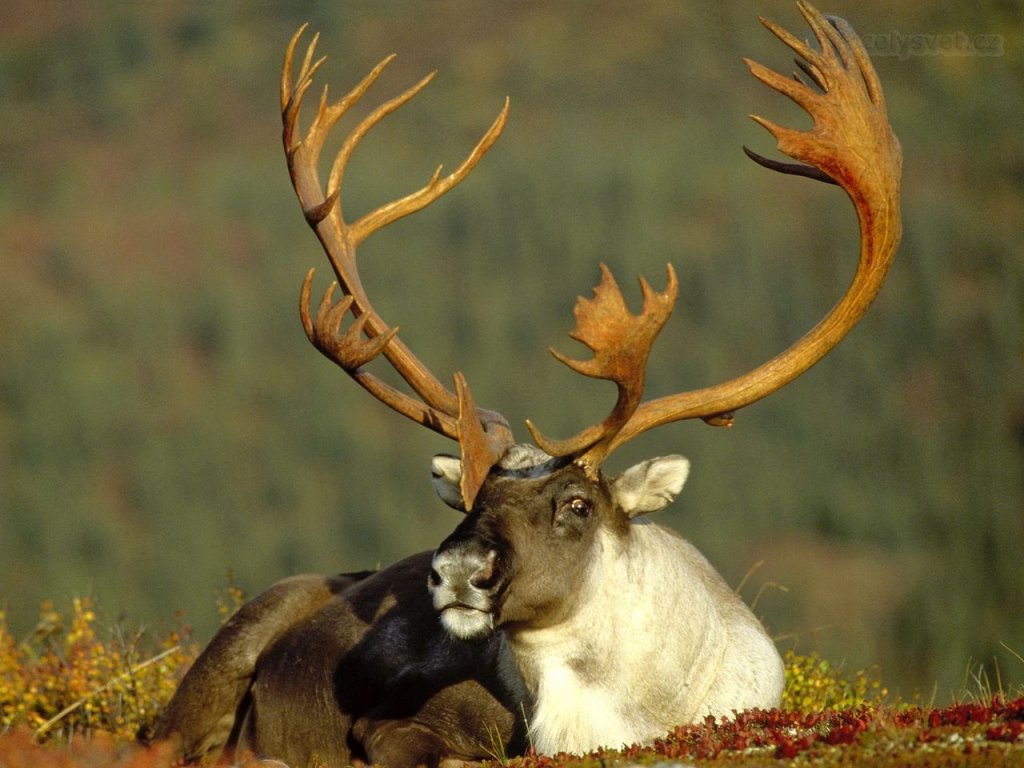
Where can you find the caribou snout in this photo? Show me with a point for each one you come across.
(463, 582)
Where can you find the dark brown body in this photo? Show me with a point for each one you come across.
(355, 666)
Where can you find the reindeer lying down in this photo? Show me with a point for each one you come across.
(555, 615)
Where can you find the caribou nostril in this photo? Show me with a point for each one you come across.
(484, 576)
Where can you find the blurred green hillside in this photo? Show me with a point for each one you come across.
(163, 421)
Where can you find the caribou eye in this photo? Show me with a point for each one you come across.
(580, 506)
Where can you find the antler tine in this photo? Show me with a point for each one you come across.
(850, 144)
(483, 434)
(433, 189)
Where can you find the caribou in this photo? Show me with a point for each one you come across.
(555, 616)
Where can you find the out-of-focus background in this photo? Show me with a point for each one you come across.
(165, 426)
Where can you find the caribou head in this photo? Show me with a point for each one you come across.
(523, 555)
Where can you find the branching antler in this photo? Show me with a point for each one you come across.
(483, 435)
(621, 342)
(850, 144)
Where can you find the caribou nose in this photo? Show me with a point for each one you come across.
(458, 570)
(464, 581)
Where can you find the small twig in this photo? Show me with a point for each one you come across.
(750, 572)
(1012, 652)
(45, 727)
(764, 586)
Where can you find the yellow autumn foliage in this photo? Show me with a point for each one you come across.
(813, 684)
(66, 678)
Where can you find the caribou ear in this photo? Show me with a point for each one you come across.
(650, 485)
(446, 475)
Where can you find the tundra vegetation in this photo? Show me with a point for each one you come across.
(76, 692)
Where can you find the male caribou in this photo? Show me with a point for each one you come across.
(554, 615)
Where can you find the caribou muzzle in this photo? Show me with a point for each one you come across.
(464, 583)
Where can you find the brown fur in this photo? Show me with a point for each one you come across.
(346, 667)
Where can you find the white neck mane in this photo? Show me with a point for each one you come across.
(645, 650)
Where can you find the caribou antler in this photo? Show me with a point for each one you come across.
(483, 435)
(850, 144)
